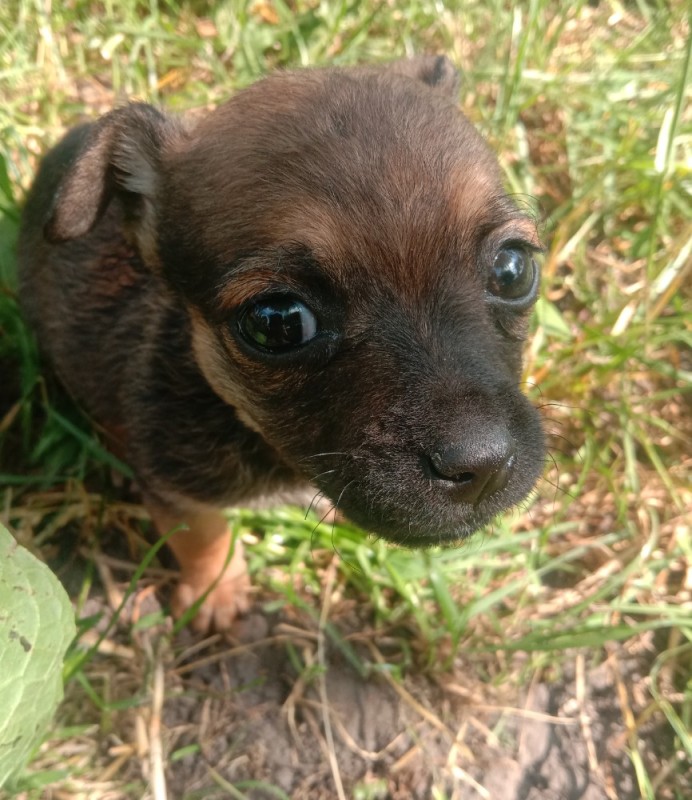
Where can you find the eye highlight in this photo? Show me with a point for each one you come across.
(277, 324)
(513, 273)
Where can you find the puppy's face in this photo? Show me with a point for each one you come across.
(358, 284)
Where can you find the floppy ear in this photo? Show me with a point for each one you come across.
(438, 72)
(121, 153)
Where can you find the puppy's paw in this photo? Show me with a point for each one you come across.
(229, 598)
(212, 568)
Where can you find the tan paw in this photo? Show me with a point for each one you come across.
(228, 599)
(212, 567)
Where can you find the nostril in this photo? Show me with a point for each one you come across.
(499, 478)
(444, 470)
(474, 470)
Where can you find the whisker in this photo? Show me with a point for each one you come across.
(316, 498)
(572, 446)
(558, 489)
(555, 484)
(550, 456)
(341, 494)
(567, 453)
(543, 406)
(567, 406)
(533, 385)
(409, 534)
(320, 474)
(324, 455)
(326, 514)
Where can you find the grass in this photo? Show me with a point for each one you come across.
(586, 105)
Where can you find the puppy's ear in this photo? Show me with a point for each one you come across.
(438, 72)
(121, 153)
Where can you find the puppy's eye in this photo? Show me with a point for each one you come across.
(513, 273)
(278, 323)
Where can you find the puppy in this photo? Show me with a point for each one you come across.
(321, 282)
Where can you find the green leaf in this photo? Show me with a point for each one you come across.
(36, 628)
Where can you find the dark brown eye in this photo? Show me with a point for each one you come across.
(277, 324)
(513, 273)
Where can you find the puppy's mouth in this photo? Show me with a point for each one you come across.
(414, 524)
(412, 502)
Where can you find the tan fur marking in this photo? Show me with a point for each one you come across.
(213, 362)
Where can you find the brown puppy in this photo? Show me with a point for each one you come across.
(321, 282)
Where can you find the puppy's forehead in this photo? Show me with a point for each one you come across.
(363, 167)
(394, 221)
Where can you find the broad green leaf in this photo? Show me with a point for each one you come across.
(36, 627)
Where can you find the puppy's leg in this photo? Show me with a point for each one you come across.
(206, 554)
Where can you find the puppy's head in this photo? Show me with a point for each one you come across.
(358, 283)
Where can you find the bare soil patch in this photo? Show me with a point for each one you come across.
(278, 710)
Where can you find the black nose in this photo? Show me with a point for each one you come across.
(475, 468)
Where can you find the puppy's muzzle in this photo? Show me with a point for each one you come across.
(472, 469)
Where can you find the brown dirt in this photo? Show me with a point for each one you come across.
(252, 711)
